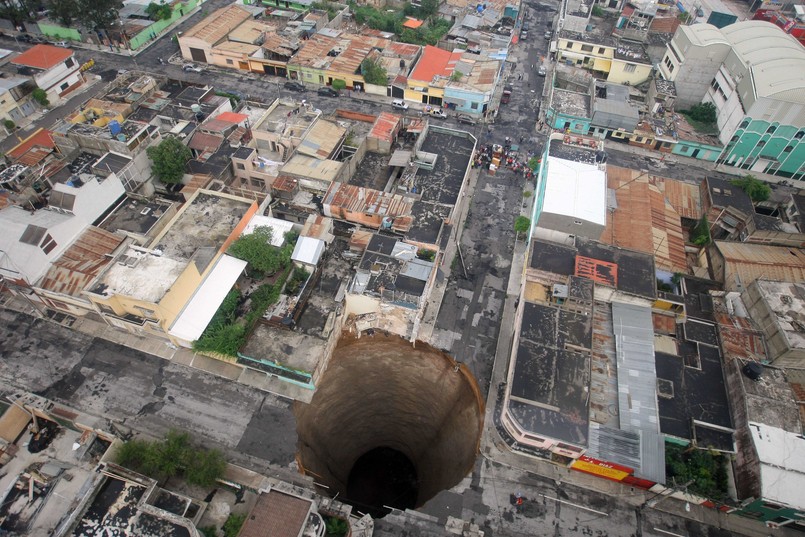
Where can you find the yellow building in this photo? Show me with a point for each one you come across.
(148, 290)
(431, 74)
(616, 61)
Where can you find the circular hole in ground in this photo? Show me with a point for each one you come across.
(390, 424)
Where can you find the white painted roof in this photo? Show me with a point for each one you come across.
(782, 464)
(308, 250)
(199, 311)
(576, 189)
(278, 227)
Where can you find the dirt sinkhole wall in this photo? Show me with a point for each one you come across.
(390, 424)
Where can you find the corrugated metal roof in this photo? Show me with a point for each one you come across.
(748, 262)
(81, 262)
(385, 127)
(321, 139)
(637, 384)
(308, 250)
(215, 27)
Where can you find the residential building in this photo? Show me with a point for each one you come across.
(15, 98)
(427, 81)
(172, 287)
(53, 69)
(571, 190)
(283, 515)
(754, 74)
(616, 61)
(778, 307)
(738, 264)
(36, 235)
(196, 44)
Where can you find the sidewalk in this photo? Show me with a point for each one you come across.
(166, 350)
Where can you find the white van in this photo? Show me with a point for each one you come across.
(399, 104)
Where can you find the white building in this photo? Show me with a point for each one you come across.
(571, 194)
(33, 239)
(754, 74)
(54, 69)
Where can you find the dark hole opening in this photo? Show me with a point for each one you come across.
(382, 478)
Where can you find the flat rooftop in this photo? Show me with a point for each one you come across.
(571, 103)
(288, 116)
(135, 216)
(195, 235)
(439, 188)
(548, 391)
(691, 388)
(786, 300)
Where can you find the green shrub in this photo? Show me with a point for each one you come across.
(9, 124)
(700, 235)
(756, 189)
(706, 469)
(233, 524)
(41, 97)
(703, 112)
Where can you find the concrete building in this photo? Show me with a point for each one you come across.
(15, 98)
(54, 69)
(754, 74)
(619, 62)
(152, 289)
(571, 191)
(779, 309)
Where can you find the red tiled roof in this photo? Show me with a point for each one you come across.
(435, 61)
(42, 56)
(232, 117)
(412, 23)
(385, 126)
(41, 138)
(665, 25)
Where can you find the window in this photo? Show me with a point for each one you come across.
(64, 86)
(586, 48)
(684, 148)
(474, 106)
(639, 139)
(602, 50)
(799, 135)
(673, 51)
(48, 244)
(578, 126)
(788, 149)
(630, 68)
(744, 124)
(230, 62)
(771, 129)
(577, 222)
(240, 166)
(734, 138)
(669, 65)
(69, 62)
(761, 143)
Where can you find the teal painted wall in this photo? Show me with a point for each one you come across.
(697, 150)
(766, 512)
(557, 120)
(758, 139)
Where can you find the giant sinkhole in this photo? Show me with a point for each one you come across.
(390, 424)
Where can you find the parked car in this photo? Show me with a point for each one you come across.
(192, 68)
(62, 44)
(507, 94)
(525, 27)
(548, 36)
(542, 71)
(122, 71)
(465, 119)
(327, 91)
(523, 35)
(437, 113)
(399, 104)
(294, 86)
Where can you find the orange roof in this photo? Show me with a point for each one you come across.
(42, 56)
(412, 23)
(40, 138)
(385, 126)
(232, 117)
(435, 61)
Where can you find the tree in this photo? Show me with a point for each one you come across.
(205, 468)
(169, 160)
(160, 11)
(98, 14)
(521, 225)
(64, 11)
(700, 235)
(703, 112)
(233, 524)
(257, 250)
(373, 72)
(338, 84)
(9, 125)
(456, 76)
(756, 189)
(41, 97)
